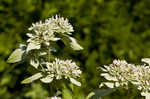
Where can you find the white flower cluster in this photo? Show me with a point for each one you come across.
(44, 32)
(59, 69)
(52, 29)
(120, 73)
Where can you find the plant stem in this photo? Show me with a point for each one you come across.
(129, 93)
(48, 51)
(51, 89)
(42, 68)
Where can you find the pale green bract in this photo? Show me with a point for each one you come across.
(33, 45)
(34, 62)
(17, 55)
(47, 79)
(32, 78)
(74, 45)
(75, 82)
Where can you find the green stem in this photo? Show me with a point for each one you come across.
(51, 89)
(48, 51)
(42, 68)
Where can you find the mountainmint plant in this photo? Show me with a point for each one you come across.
(39, 48)
(122, 74)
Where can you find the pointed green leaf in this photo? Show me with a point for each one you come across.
(16, 56)
(32, 78)
(75, 82)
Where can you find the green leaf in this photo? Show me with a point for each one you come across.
(101, 93)
(32, 78)
(75, 82)
(32, 46)
(16, 56)
(47, 79)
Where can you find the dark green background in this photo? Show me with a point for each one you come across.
(107, 29)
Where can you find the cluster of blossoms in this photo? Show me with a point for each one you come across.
(38, 50)
(120, 73)
(44, 32)
(62, 68)
(59, 69)
(52, 29)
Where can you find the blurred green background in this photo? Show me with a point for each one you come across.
(107, 29)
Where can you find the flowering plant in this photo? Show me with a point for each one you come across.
(39, 47)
